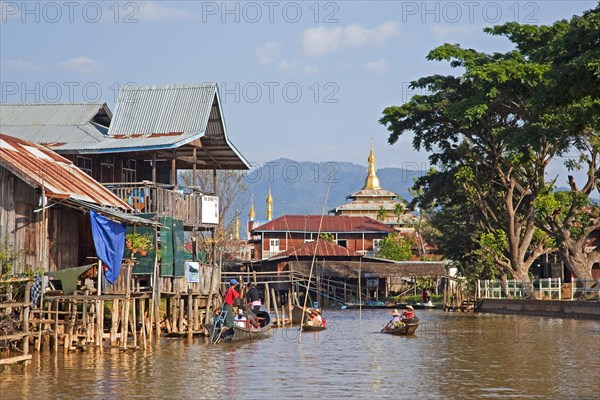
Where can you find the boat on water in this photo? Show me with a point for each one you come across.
(408, 327)
(312, 328)
(424, 306)
(372, 305)
(243, 331)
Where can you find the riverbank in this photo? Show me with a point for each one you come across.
(543, 308)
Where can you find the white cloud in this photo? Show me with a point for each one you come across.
(452, 32)
(296, 67)
(377, 66)
(158, 12)
(320, 41)
(20, 65)
(81, 64)
(267, 52)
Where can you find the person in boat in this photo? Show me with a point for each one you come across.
(253, 298)
(396, 321)
(230, 295)
(408, 313)
(314, 317)
(425, 295)
(240, 319)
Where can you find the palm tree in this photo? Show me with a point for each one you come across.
(399, 211)
(381, 214)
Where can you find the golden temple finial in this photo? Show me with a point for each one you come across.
(269, 206)
(237, 224)
(252, 214)
(372, 181)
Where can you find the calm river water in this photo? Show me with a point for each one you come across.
(452, 356)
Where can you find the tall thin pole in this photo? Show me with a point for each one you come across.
(359, 290)
(312, 265)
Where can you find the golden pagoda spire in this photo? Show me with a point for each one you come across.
(252, 214)
(372, 181)
(237, 224)
(269, 206)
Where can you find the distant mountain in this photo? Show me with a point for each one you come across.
(300, 187)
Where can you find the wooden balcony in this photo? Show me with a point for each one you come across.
(192, 207)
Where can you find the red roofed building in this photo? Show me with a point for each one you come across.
(359, 235)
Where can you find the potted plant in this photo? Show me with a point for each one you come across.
(139, 243)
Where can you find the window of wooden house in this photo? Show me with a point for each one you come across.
(84, 164)
(129, 171)
(377, 244)
(273, 245)
(343, 243)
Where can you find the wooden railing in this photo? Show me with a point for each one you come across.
(183, 203)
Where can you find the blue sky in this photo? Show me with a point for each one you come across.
(302, 80)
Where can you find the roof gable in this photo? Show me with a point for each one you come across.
(142, 110)
(39, 166)
(330, 223)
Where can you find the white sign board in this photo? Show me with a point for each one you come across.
(192, 271)
(210, 210)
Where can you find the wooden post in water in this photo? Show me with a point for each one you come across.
(115, 322)
(26, 320)
(277, 320)
(267, 298)
(190, 316)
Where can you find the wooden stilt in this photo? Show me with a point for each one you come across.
(190, 316)
(277, 320)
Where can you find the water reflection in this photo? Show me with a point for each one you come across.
(453, 355)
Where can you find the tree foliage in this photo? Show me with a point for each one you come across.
(396, 247)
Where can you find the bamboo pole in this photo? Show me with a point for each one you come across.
(134, 323)
(267, 297)
(275, 307)
(190, 316)
(55, 327)
(115, 322)
(143, 315)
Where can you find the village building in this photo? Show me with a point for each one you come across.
(359, 234)
(44, 207)
(377, 203)
(127, 167)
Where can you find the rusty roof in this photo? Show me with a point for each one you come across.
(39, 167)
(320, 248)
(331, 223)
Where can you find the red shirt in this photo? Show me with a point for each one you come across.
(231, 295)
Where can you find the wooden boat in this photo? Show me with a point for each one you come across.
(409, 327)
(240, 333)
(312, 328)
(423, 306)
(374, 305)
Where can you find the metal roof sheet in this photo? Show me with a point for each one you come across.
(320, 248)
(39, 166)
(129, 143)
(55, 123)
(331, 223)
(163, 109)
(33, 114)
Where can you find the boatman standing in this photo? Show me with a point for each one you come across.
(230, 295)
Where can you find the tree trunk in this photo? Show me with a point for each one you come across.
(574, 255)
(577, 260)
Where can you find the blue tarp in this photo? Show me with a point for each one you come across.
(109, 240)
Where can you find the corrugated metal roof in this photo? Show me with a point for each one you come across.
(55, 123)
(129, 143)
(320, 248)
(39, 166)
(331, 223)
(190, 108)
(162, 109)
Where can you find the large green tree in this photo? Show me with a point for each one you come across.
(473, 124)
(568, 99)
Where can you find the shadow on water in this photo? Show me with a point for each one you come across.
(452, 355)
